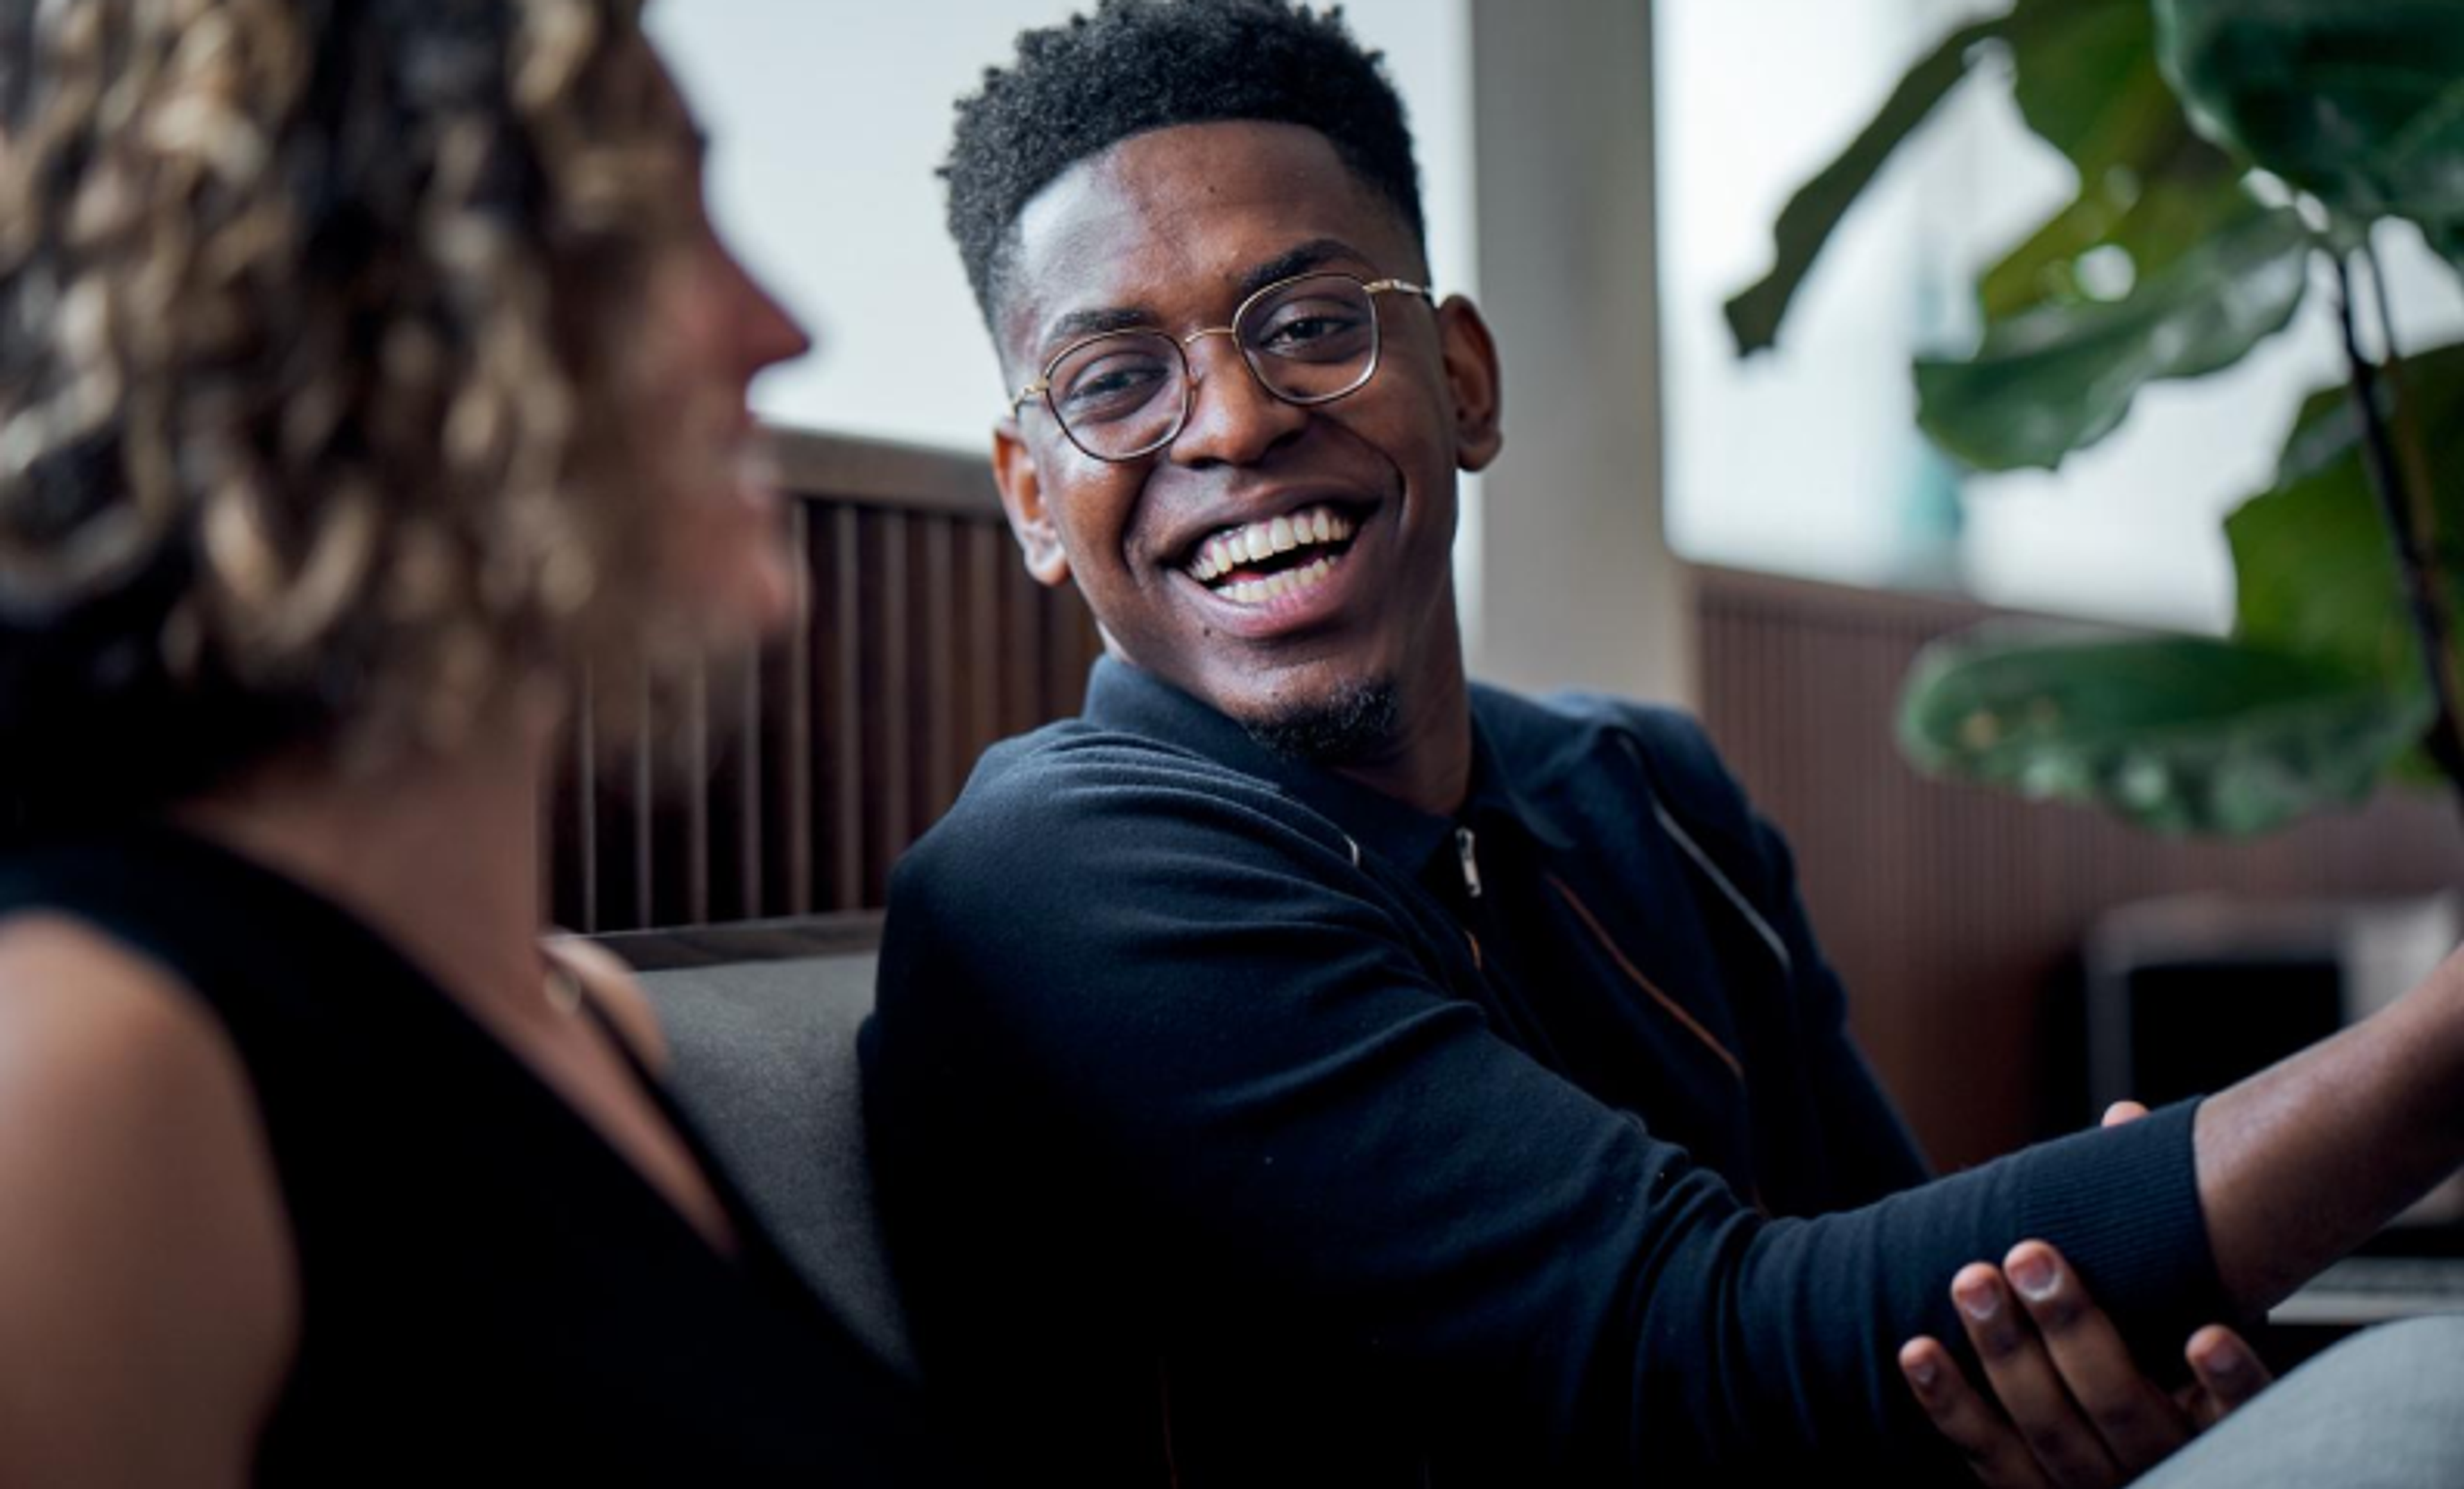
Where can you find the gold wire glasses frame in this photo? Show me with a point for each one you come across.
(1308, 340)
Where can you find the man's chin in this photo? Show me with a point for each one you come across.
(1356, 722)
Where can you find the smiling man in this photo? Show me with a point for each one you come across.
(1311, 1067)
(1311, 601)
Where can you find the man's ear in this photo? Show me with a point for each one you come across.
(1471, 379)
(1022, 495)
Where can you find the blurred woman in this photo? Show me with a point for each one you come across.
(366, 369)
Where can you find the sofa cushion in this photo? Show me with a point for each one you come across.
(764, 1061)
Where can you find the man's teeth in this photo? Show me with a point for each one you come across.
(1275, 586)
(1233, 547)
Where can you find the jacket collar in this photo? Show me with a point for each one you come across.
(1123, 697)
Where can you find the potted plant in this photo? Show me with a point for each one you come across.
(2223, 148)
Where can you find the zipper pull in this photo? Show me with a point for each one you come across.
(1470, 861)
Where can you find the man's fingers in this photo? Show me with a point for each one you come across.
(1994, 1450)
(2138, 1423)
(2120, 1112)
(2228, 1370)
(2062, 1403)
(2022, 1377)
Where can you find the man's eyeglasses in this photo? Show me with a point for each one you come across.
(1308, 340)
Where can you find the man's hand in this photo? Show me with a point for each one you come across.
(2068, 1407)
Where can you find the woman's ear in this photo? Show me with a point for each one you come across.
(1022, 495)
(1471, 379)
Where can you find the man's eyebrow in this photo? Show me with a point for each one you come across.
(1315, 253)
(1095, 322)
(1299, 259)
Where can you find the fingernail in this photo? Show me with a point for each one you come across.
(2225, 1363)
(2033, 1273)
(1978, 1299)
(1922, 1372)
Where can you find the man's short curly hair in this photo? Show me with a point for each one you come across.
(306, 432)
(1139, 65)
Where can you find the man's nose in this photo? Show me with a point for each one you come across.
(1233, 420)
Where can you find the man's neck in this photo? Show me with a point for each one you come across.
(1427, 764)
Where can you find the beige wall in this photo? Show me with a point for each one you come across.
(1577, 583)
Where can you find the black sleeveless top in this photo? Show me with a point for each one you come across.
(488, 1291)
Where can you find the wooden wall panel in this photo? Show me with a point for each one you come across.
(1955, 912)
(786, 781)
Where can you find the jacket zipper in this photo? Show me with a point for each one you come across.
(1470, 861)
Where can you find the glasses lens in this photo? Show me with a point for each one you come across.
(1119, 395)
(1314, 339)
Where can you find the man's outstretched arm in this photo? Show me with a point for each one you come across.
(2301, 1163)
(2295, 1166)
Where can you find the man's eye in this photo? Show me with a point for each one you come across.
(1113, 385)
(1314, 332)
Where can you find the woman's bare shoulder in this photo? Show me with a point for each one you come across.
(617, 993)
(145, 1265)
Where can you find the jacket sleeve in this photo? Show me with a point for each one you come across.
(1198, 992)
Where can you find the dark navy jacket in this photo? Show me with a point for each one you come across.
(1236, 1124)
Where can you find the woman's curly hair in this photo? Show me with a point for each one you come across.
(306, 308)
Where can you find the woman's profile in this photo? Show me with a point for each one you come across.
(367, 367)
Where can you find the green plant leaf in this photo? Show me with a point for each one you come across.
(2149, 215)
(2180, 734)
(2059, 376)
(1814, 213)
(2148, 187)
(2325, 430)
(2044, 266)
(2315, 575)
(2086, 81)
(2446, 240)
(2360, 102)
(2315, 568)
(2328, 428)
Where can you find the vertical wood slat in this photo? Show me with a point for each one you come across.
(847, 640)
(751, 760)
(942, 671)
(798, 739)
(573, 854)
(1953, 912)
(1022, 652)
(696, 793)
(888, 782)
(986, 561)
(796, 777)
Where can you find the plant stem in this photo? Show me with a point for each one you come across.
(2408, 422)
(2410, 522)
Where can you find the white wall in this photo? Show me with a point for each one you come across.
(1579, 588)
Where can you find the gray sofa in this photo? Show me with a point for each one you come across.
(761, 1021)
